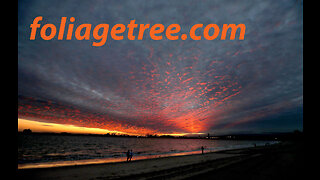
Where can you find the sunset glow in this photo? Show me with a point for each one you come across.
(37, 126)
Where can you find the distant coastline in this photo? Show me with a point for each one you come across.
(281, 136)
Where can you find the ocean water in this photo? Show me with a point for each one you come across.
(36, 151)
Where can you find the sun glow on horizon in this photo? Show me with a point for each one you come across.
(44, 127)
(37, 126)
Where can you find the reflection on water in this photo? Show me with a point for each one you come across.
(39, 151)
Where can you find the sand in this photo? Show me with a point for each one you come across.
(179, 167)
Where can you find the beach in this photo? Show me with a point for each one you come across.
(281, 160)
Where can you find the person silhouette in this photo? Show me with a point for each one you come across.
(128, 155)
(202, 148)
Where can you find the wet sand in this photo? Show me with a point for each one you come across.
(285, 162)
(198, 166)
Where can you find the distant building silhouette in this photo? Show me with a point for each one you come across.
(27, 131)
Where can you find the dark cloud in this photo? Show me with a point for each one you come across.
(165, 86)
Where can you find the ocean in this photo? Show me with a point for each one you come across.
(42, 151)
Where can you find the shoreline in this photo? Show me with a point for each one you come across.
(279, 161)
(57, 164)
(153, 166)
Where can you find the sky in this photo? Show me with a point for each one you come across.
(145, 86)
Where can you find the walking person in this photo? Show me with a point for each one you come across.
(128, 155)
(202, 148)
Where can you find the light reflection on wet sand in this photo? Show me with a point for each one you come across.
(99, 161)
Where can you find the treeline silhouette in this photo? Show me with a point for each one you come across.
(295, 135)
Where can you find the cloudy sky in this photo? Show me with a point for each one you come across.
(144, 86)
